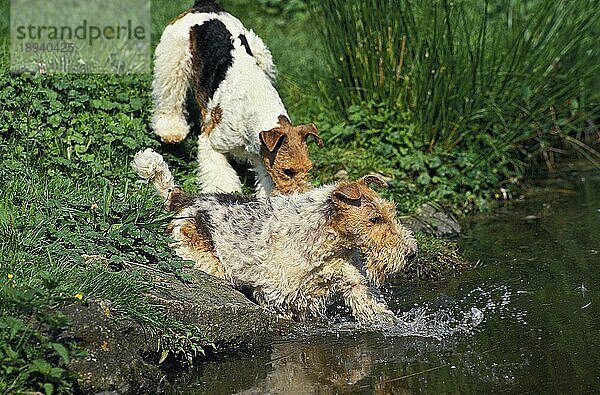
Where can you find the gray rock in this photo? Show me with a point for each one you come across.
(431, 221)
(111, 363)
(119, 352)
(227, 318)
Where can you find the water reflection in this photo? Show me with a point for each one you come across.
(314, 367)
(341, 356)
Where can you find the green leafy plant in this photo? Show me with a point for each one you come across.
(33, 356)
(183, 341)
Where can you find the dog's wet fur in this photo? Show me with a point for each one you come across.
(293, 252)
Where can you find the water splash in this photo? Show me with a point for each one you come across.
(439, 324)
(446, 317)
(441, 319)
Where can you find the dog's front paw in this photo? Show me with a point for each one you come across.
(171, 130)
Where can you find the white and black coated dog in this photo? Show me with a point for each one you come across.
(230, 72)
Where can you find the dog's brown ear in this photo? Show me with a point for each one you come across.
(284, 121)
(271, 138)
(348, 193)
(373, 179)
(311, 130)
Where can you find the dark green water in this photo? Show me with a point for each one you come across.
(526, 320)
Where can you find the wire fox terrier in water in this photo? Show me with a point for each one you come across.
(290, 252)
(229, 71)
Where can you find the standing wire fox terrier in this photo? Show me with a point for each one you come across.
(291, 252)
(229, 71)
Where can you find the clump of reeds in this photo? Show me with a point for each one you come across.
(510, 77)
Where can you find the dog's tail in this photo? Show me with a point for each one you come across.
(151, 166)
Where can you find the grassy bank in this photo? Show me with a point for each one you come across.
(75, 224)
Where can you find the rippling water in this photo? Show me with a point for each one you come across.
(526, 320)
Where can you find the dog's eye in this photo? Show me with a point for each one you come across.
(289, 173)
(376, 220)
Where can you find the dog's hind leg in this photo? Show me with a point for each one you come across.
(195, 245)
(205, 261)
(214, 171)
(172, 68)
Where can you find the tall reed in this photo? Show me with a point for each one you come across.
(501, 73)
